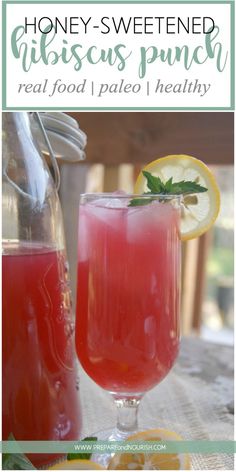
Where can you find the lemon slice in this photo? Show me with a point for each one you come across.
(151, 461)
(76, 464)
(199, 211)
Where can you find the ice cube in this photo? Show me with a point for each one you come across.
(100, 202)
(136, 223)
(116, 203)
(108, 201)
(143, 220)
(108, 215)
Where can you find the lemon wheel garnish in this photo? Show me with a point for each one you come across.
(76, 464)
(199, 211)
(151, 461)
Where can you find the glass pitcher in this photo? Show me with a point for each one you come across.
(40, 386)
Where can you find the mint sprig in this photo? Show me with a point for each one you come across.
(157, 186)
(16, 460)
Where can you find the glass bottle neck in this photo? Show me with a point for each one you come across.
(31, 209)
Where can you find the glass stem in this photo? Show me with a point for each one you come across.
(127, 412)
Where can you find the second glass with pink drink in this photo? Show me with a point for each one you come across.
(128, 291)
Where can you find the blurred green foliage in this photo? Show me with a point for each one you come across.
(220, 262)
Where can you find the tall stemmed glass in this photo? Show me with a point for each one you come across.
(127, 327)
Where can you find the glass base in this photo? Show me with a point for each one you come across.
(114, 434)
(111, 434)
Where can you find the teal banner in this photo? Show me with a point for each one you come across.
(104, 447)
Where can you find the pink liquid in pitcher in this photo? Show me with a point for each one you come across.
(40, 398)
(128, 294)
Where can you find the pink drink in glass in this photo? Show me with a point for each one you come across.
(127, 335)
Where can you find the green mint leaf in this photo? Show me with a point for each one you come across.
(186, 187)
(81, 455)
(154, 184)
(168, 185)
(139, 202)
